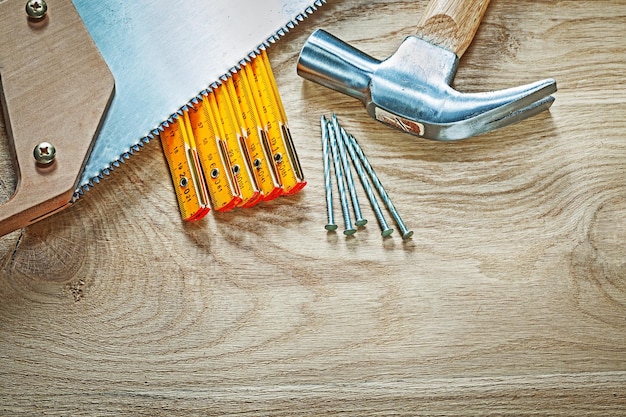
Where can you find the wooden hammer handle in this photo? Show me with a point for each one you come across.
(451, 24)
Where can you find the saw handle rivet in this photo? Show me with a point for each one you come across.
(44, 153)
(36, 9)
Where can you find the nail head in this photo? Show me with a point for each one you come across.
(361, 222)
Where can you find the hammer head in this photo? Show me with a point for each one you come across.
(411, 89)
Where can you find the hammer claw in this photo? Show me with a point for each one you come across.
(507, 107)
(523, 113)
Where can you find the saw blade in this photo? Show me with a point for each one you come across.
(164, 55)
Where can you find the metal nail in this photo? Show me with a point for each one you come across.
(384, 226)
(360, 221)
(406, 233)
(349, 228)
(331, 226)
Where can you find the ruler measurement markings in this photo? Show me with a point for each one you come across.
(214, 164)
(219, 131)
(273, 124)
(239, 121)
(249, 192)
(262, 165)
(192, 151)
(233, 148)
(177, 154)
(287, 138)
(268, 121)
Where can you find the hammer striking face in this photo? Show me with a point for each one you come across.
(411, 89)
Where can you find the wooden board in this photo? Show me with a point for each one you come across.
(510, 299)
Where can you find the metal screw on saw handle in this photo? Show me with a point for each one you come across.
(36, 9)
(44, 153)
(404, 231)
(384, 226)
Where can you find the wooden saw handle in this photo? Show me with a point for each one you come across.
(451, 24)
(55, 87)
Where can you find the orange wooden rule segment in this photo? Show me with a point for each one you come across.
(183, 172)
(249, 191)
(234, 147)
(219, 131)
(214, 162)
(270, 75)
(284, 123)
(281, 146)
(262, 167)
(194, 162)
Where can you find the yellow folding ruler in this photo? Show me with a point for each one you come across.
(233, 148)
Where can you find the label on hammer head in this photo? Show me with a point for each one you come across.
(399, 122)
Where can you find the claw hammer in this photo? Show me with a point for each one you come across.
(411, 90)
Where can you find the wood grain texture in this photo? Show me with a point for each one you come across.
(509, 300)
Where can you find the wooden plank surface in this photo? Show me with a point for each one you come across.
(510, 299)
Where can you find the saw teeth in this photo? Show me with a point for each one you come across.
(156, 132)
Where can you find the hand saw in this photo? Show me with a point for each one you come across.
(98, 80)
